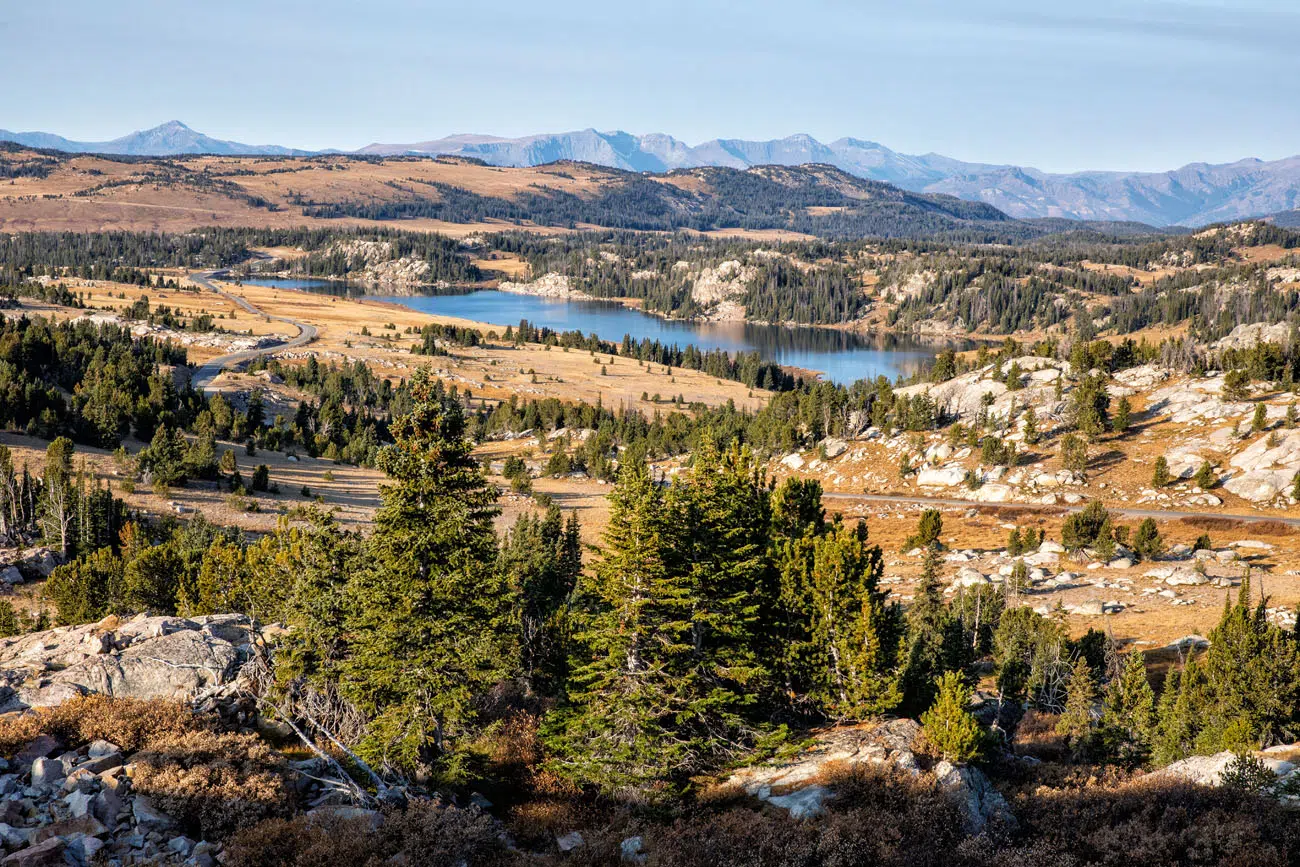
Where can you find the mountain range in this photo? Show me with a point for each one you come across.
(170, 139)
(1194, 195)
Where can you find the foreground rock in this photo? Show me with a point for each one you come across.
(804, 785)
(1208, 770)
(143, 658)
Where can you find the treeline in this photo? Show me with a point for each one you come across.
(349, 419)
(108, 255)
(93, 382)
(745, 367)
(801, 199)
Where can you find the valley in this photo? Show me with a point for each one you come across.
(378, 441)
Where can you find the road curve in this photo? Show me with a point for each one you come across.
(209, 370)
(1131, 513)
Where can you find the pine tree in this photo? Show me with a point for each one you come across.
(1205, 478)
(856, 636)
(934, 638)
(928, 528)
(1030, 428)
(1259, 419)
(1076, 722)
(1074, 453)
(726, 524)
(1178, 715)
(542, 559)
(948, 725)
(430, 629)
(1160, 475)
(1123, 411)
(1129, 721)
(634, 716)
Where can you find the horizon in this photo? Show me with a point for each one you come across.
(108, 138)
(1005, 83)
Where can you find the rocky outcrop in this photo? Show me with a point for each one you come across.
(144, 658)
(804, 785)
(717, 290)
(550, 285)
(963, 396)
(1196, 401)
(1208, 770)
(981, 804)
(1246, 336)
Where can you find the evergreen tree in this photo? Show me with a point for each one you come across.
(948, 725)
(726, 521)
(928, 528)
(1129, 720)
(1160, 475)
(934, 637)
(1076, 722)
(1176, 713)
(1259, 420)
(1123, 411)
(1147, 542)
(1205, 478)
(542, 558)
(637, 714)
(1030, 427)
(429, 631)
(856, 636)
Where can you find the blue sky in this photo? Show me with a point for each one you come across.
(1061, 85)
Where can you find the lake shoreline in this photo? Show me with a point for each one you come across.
(839, 355)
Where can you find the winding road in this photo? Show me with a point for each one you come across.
(1162, 514)
(208, 371)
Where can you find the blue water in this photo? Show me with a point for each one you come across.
(839, 356)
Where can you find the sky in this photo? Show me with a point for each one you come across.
(1059, 85)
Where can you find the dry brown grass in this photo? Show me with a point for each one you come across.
(128, 723)
(424, 834)
(212, 783)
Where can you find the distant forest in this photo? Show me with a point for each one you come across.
(842, 206)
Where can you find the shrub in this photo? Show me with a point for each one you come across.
(129, 723)
(1082, 528)
(1248, 773)
(213, 784)
(949, 727)
(424, 833)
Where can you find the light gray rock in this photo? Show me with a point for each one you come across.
(149, 818)
(941, 477)
(632, 851)
(144, 658)
(980, 802)
(11, 576)
(47, 772)
(79, 803)
(570, 841)
(1208, 770)
(806, 803)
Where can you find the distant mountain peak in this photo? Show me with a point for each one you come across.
(172, 138)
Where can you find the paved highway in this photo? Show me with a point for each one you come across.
(207, 372)
(1120, 510)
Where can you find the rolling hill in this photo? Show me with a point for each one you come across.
(1194, 195)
